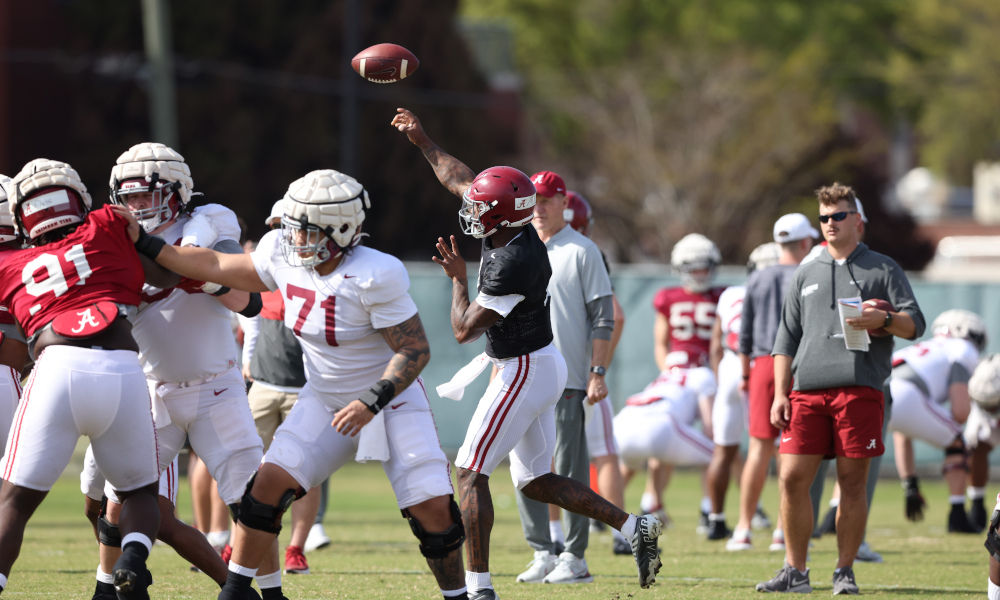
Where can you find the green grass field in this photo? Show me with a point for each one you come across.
(374, 555)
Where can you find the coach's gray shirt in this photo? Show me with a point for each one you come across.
(579, 277)
(810, 328)
(762, 309)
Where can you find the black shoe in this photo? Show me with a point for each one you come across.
(486, 594)
(977, 514)
(717, 530)
(645, 548)
(104, 591)
(828, 524)
(702, 523)
(558, 548)
(958, 521)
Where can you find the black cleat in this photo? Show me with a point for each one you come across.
(645, 548)
(131, 577)
(104, 591)
(717, 530)
(977, 514)
(484, 594)
(958, 521)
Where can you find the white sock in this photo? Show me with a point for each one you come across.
(975, 493)
(648, 503)
(217, 539)
(994, 589)
(834, 502)
(628, 529)
(717, 516)
(478, 581)
(556, 533)
(104, 577)
(706, 505)
(135, 536)
(3, 582)
(269, 581)
(246, 572)
(957, 499)
(453, 593)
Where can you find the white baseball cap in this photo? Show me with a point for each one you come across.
(277, 211)
(861, 210)
(793, 227)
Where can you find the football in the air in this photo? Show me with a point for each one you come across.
(385, 63)
(881, 305)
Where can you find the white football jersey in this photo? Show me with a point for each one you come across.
(677, 392)
(182, 336)
(932, 360)
(337, 316)
(730, 315)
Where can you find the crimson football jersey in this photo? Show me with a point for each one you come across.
(690, 317)
(95, 262)
(6, 318)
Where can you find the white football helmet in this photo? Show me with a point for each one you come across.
(46, 195)
(695, 252)
(323, 213)
(764, 256)
(984, 385)
(959, 323)
(6, 217)
(156, 168)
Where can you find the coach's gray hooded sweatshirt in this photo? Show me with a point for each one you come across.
(810, 330)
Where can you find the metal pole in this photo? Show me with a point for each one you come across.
(349, 99)
(159, 54)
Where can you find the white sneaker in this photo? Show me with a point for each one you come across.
(866, 554)
(543, 564)
(317, 538)
(569, 569)
(739, 541)
(777, 541)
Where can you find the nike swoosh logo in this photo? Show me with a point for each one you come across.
(220, 391)
(795, 582)
(786, 439)
(395, 406)
(349, 276)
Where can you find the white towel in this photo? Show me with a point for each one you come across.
(373, 443)
(455, 388)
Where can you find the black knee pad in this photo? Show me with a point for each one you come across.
(957, 448)
(109, 534)
(441, 544)
(992, 539)
(264, 517)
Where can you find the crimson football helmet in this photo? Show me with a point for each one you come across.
(578, 213)
(6, 218)
(498, 197)
(45, 196)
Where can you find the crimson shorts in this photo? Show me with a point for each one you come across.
(760, 390)
(845, 421)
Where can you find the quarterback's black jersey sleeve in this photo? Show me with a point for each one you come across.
(506, 275)
(521, 267)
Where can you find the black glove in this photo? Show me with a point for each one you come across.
(915, 502)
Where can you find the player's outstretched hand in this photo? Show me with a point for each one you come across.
(409, 124)
(133, 225)
(451, 261)
(350, 419)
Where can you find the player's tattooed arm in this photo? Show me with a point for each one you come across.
(409, 342)
(469, 320)
(453, 174)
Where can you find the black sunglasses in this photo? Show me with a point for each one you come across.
(838, 217)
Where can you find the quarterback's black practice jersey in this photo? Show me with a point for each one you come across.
(521, 267)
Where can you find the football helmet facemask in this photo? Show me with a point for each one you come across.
(323, 213)
(578, 213)
(695, 252)
(158, 170)
(964, 324)
(6, 218)
(498, 197)
(45, 196)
